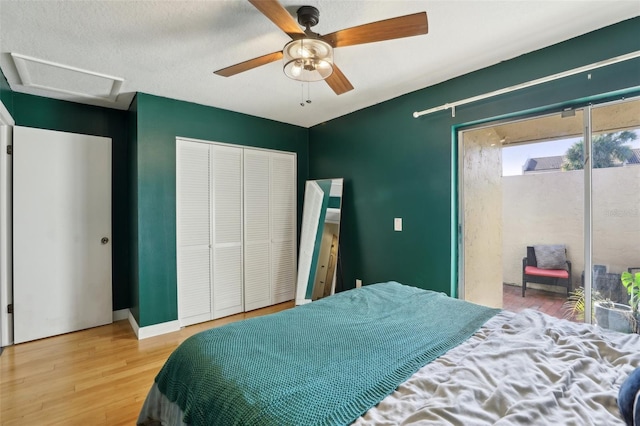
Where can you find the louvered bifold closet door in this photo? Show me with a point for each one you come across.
(257, 241)
(226, 167)
(193, 218)
(283, 227)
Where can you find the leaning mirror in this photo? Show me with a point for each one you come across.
(318, 259)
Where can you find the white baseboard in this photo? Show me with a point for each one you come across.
(134, 324)
(153, 330)
(121, 314)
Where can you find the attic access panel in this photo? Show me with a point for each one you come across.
(47, 75)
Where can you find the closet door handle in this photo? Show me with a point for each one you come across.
(104, 240)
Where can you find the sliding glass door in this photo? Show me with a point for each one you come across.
(569, 179)
(615, 212)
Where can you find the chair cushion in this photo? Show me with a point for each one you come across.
(551, 256)
(553, 273)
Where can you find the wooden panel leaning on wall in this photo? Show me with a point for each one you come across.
(98, 376)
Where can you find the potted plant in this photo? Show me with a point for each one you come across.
(614, 316)
(632, 283)
(605, 313)
(574, 306)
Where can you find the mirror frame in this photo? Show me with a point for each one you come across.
(319, 239)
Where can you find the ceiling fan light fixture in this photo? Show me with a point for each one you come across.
(308, 59)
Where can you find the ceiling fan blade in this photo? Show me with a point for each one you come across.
(338, 82)
(250, 64)
(402, 26)
(273, 10)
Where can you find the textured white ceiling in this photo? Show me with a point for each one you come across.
(171, 48)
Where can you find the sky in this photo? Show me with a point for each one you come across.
(514, 157)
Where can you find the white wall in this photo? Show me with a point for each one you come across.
(548, 209)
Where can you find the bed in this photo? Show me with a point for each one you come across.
(389, 354)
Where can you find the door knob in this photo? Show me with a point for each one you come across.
(104, 240)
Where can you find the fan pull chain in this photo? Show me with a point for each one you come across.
(302, 101)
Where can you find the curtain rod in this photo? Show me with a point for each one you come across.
(546, 79)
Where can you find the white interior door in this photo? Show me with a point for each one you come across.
(62, 232)
(283, 227)
(6, 252)
(193, 222)
(226, 167)
(257, 238)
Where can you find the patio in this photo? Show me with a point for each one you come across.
(540, 300)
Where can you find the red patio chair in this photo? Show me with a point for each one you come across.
(531, 273)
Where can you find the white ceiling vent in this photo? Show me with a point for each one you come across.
(41, 74)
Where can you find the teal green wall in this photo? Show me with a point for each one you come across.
(132, 157)
(397, 166)
(159, 120)
(45, 113)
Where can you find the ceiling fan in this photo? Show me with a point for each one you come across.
(309, 56)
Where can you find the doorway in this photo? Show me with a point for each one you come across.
(528, 182)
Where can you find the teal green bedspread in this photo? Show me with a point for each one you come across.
(325, 363)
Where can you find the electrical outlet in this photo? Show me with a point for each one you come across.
(358, 283)
(397, 224)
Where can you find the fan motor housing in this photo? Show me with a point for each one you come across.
(308, 16)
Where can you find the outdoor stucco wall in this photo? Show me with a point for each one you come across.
(482, 186)
(548, 209)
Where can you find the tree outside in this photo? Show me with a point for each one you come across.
(608, 150)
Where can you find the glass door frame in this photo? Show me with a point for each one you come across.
(588, 213)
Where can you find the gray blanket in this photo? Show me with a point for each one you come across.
(519, 369)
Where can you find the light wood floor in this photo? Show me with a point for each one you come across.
(98, 376)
